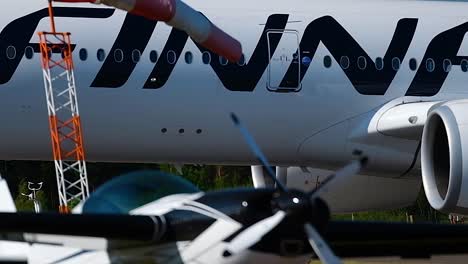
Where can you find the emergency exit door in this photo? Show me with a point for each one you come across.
(284, 67)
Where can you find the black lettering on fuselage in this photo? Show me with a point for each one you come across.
(233, 76)
(163, 68)
(444, 46)
(134, 35)
(369, 81)
(19, 32)
(340, 43)
(245, 78)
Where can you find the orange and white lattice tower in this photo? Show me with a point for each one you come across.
(64, 117)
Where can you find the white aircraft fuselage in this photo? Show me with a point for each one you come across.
(356, 59)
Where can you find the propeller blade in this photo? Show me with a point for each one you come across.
(347, 171)
(253, 234)
(257, 151)
(181, 16)
(321, 248)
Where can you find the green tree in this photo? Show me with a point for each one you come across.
(208, 178)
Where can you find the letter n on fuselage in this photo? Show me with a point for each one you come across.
(368, 81)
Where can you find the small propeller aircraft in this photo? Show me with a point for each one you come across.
(155, 217)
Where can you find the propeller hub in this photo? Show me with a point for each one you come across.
(291, 202)
(301, 207)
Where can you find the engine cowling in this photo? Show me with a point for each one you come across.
(444, 157)
(358, 193)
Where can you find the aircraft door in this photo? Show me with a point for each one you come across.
(284, 67)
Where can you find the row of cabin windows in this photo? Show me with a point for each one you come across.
(206, 58)
(135, 56)
(361, 63)
(171, 56)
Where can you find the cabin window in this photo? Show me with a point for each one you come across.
(11, 52)
(223, 61)
(83, 54)
(396, 63)
(29, 52)
(413, 64)
(464, 65)
(101, 54)
(241, 62)
(447, 65)
(327, 61)
(344, 62)
(136, 56)
(153, 56)
(188, 57)
(379, 63)
(430, 65)
(118, 55)
(206, 57)
(362, 63)
(171, 57)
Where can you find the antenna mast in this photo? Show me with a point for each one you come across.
(64, 118)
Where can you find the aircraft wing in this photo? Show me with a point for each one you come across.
(347, 239)
(60, 229)
(56, 238)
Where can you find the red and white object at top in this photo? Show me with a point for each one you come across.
(181, 16)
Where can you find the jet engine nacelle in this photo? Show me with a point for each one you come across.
(444, 157)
